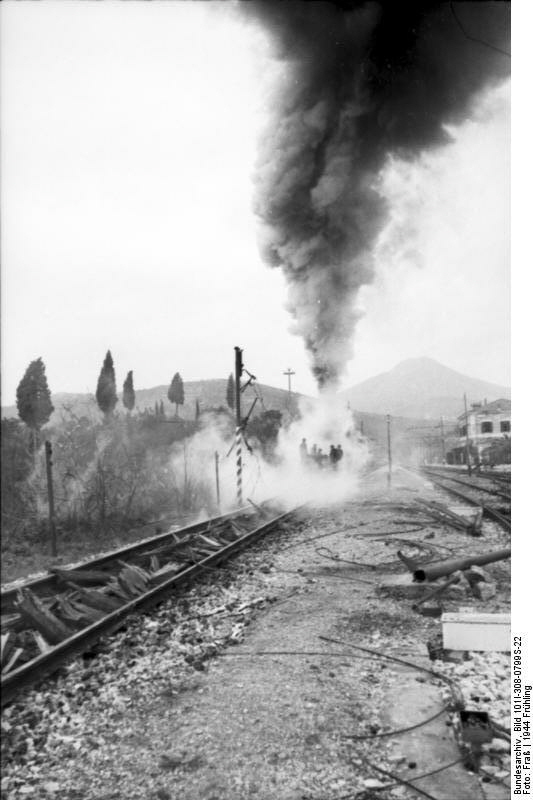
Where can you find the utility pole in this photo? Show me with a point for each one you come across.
(217, 479)
(50, 486)
(185, 477)
(288, 374)
(238, 431)
(389, 474)
(467, 443)
(442, 440)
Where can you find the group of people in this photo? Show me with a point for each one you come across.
(317, 457)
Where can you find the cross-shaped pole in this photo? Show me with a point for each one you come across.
(288, 374)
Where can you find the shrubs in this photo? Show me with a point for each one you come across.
(107, 475)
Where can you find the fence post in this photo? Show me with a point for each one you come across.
(217, 479)
(50, 487)
(389, 452)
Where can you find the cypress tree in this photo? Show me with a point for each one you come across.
(34, 403)
(128, 392)
(175, 391)
(162, 409)
(230, 392)
(197, 414)
(106, 390)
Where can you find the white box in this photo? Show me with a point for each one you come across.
(476, 631)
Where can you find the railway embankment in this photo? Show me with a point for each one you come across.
(298, 670)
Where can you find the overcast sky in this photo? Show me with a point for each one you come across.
(129, 135)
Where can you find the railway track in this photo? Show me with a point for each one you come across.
(486, 473)
(472, 482)
(500, 515)
(48, 620)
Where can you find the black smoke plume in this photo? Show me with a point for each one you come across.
(361, 81)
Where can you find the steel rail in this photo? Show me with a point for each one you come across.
(45, 664)
(51, 583)
(504, 477)
(431, 471)
(488, 511)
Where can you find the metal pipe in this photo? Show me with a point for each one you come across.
(439, 569)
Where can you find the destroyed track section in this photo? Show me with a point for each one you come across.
(48, 620)
(474, 496)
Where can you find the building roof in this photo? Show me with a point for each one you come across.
(503, 406)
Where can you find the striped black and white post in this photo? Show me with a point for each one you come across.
(238, 447)
(238, 428)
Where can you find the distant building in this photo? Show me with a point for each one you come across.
(487, 428)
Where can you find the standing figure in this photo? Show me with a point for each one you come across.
(303, 451)
(340, 452)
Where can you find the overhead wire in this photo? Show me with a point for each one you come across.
(474, 38)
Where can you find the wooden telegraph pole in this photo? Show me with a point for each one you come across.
(238, 430)
(288, 374)
(443, 442)
(50, 487)
(217, 478)
(467, 442)
(389, 474)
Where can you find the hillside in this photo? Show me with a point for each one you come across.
(421, 388)
(209, 393)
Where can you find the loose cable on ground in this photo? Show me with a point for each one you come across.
(293, 653)
(398, 779)
(414, 778)
(333, 557)
(403, 661)
(348, 528)
(325, 575)
(398, 731)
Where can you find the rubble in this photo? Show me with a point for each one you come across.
(110, 725)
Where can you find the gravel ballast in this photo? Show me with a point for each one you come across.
(228, 691)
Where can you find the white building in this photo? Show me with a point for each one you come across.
(487, 428)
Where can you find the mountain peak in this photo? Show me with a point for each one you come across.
(412, 364)
(421, 387)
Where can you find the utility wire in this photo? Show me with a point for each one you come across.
(473, 38)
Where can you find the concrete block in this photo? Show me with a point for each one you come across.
(476, 631)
